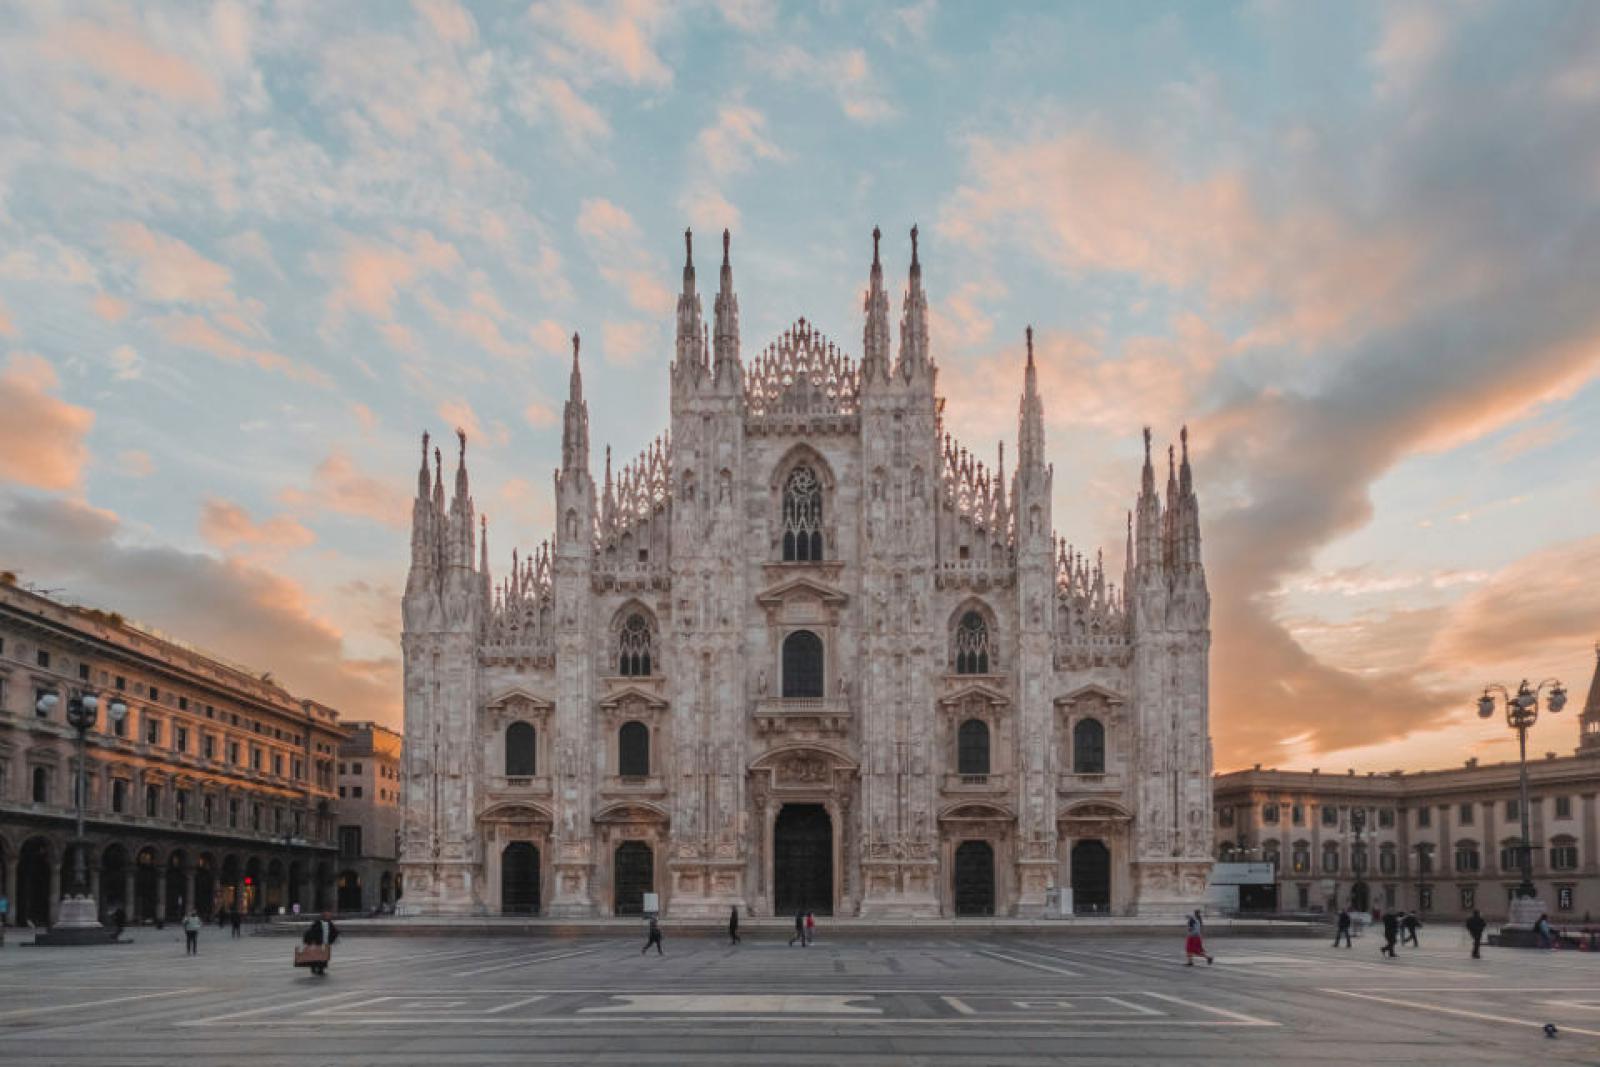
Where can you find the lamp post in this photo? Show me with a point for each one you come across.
(1522, 711)
(79, 921)
(1423, 865)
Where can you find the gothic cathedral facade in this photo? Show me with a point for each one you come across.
(805, 652)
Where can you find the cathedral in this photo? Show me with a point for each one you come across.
(805, 652)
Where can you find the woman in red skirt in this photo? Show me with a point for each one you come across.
(1194, 945)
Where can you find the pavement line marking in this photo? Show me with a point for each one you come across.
(1240, 1017)
(319, 1000)
(959, 1005)
(523, 1003)
(1030, 963)
(98, 1003)
(1458, 1011)
(513, 964)
(730, 1004)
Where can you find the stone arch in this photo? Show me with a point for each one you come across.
(635, 640)
(1088, 746)
(974, 638)
(803, 531)
(804, 663)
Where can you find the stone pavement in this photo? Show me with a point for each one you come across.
(993, 998)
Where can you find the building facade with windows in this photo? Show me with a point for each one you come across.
(215, 789)
(1440, 842)
(369, 818)
(806, 651)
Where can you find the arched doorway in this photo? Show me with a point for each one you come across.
(633, 875)
(1360, 897)
(386, 890)
(802, 860)
(146, 875)
(349, 891)
(974, 875)
(519, 879)
(205, 886)
(1091, 878)
(175, 904)
(33, 883)
(114, 880)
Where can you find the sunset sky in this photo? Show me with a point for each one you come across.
(247, 254)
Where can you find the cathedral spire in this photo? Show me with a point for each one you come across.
(727, 314)
(1589, 720)
(1149, 520)
(575, 420)
(914, 320)
(422, 475)
(875, 335)
(1030, 421)
(690, 353)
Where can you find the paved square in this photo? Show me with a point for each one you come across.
(990, 999)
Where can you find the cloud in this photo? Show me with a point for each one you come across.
(846, 75)
(736, 139)
(615, 39)
(42, 437)
(706, 208)
(339, 486)
(229, 527)
(371, 274)
(125, 363)
(749, 16)
(170, 271)
(200, 334)
(1412, 38)
(135, 463)
(124, 56)
(458, 415)
(8, 328)
(449, 21)
(110, 308)
(613, 240)
(547, 96)
(364, 417)
(232, 607)
(626, 343)
(540, 415)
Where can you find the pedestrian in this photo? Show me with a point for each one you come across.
(1391, 933)
(119, 918)
(1475, 926)
(1343, 929)
(320, 932)
(191, 933)
(733, 925)
(1541, 930)
(1194, 944)
(1409, 926)
(811, 927)
(235, 918)
(654, 938)
(799, 929)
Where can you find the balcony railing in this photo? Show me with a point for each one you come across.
(781, 714)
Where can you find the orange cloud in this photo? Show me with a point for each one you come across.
(127, 57)
(194, 331)
(339, 486)
(615, 39)
(42, 438)
(110, 308)
(226, 525)
(135, 463)
(8, 328)
(171, 271)
(371, 274)
(736, 140)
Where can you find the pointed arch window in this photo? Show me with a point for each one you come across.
(521, 750)
(972, 747)
(802, 516)
(802, 665)
(1088, 747)
(972, 644)
(633, 750)
(633, 647)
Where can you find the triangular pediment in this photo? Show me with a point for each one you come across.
(515, 812)
(971, 812)
(631, 693)
(517, 694)
(1092, 692)
(631, 811)
(986, 693)
(1096, 809)
(802, 586)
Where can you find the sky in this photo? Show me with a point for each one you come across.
(249, 252)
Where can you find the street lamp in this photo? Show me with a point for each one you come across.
(78, 912)
(1522, 711)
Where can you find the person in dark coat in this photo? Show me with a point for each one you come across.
(120, 919)
(733, 925)
(1409, 926)
(654, 938)
(1475, 927)
(320, 932)
(1343, 929)
(234, 919)
(1391, 933)
(799, 929)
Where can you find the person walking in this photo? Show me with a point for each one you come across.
(811, 927)
(1542, 930)
(1194, 943)
(1391, 933)
(1343, 929)
(234, 918)
(733, 925)
(1408, 926)
(119, 919)
(654, 938)
(799, 929)
(191, 933)
(1475, 927)
(320, 932)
